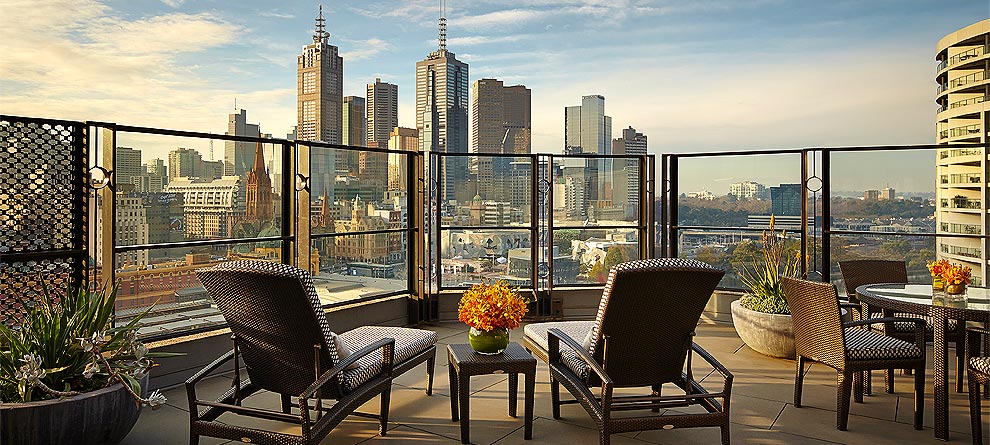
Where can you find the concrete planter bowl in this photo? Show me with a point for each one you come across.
(768, 334)
(103, 416)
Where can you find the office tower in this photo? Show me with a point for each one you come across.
(872, 195)
(382, 111)
(127, 165)
(319, 88)
(963, 117)
(238, 157)
(441, 111)
(353, 123)
(500, 124)
(259, 205)
(887, 194)
(405, 139)
(588, 130)
(785, 200)
(633, 143)
(188, 163)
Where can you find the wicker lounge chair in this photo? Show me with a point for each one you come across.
(856, 273)
(979, 376)
(820, 335)
(642, 337)
(282, 338)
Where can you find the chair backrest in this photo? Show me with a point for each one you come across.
(856, 273)
(648, 311)
(274, 312)
(818, 332)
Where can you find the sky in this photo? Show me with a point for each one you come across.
(694, 75)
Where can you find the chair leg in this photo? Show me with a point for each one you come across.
(798, 380)
(430, 362)
(656, 393)
(868, 383)
(975, 410)
(858, 387)
(193, 439)
(725, 434)
(843, 389)
(888, 379)
(555, 397)
(603, 437)
(919, 397)
(960, 364)
(383, 417)
(286, 404)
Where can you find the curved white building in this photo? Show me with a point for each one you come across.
(963, 117)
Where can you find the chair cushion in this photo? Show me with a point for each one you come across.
(408, 342)
(901, 327)
(867, 345)
(538, 332)
(981, 364)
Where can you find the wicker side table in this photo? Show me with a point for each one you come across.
(463, 362)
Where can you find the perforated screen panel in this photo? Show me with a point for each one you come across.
(43, 208)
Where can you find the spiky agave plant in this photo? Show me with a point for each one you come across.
(763, 278)
(66, 345)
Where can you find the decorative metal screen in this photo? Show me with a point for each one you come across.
(43, 208)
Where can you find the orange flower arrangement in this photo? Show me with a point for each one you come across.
(939, 266)
(956, 274)
(488, 306)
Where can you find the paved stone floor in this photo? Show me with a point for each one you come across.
(762, 411)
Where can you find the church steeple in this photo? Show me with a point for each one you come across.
(259, 159)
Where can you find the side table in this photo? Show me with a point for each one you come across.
(463, 362)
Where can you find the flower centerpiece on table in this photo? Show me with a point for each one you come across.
(956, 277)
(936, 268)
(491, 310)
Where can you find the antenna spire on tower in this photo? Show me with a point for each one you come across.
(442, 40)
(321, 34)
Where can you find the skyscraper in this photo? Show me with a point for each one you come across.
(127, 165)
(441, 110)
(500, 124)
(631, 143)
(785, 200)
(382, 111)
(238, 157)
(319, 88)
(188, 163)
(588, 130)
(963, 117)
(353, 122)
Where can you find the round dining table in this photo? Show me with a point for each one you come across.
(919, 299)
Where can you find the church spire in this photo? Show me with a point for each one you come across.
(259, 159)
(321, 34)
(442, 38)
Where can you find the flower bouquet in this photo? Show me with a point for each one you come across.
(956, 277)
(936, 268)
(491, 310)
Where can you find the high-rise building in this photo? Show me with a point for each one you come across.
(632, 142)
(405, 139)
(588, 130)
(748, 190)
(188, 163)
(963, 117)
(319, 88)
(238, 157)
(259, 203)
(382, 111)
(210, 209)
(353, 123)
(153, 178)
(441, 111)
(500, 124)
(127, 165)
(785, 200)
(872, 195)
(887, 194)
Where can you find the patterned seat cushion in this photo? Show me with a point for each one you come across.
(538, 332)
(981, 364)
(408, 342)
(901, 327)
(867, 345)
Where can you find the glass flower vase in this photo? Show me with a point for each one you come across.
(488, 342)
(937, 284)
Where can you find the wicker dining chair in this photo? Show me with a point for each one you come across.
(820, 335)
(856, 273)
(642, 337)
(282, 339)
(978, 370)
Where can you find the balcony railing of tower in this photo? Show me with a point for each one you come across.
(967, 130)
(964, 102)
(944, 154)
(978, 76)
(962, 57)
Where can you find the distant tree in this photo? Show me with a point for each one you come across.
(562, 239)
(708, 255)
(598, 272)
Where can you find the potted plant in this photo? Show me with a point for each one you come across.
(761, 317)
(491, 310)
(68, 375)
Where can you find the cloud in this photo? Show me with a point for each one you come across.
(276, 14)
(363, 49)
(173, 3)
(481, 40)
(509, 17)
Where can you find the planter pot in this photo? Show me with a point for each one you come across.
(768, 334)
(104, 416)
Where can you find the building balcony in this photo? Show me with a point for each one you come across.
(970, 56)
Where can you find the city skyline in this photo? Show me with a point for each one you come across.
(245, 52)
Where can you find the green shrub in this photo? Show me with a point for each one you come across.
(763, 278)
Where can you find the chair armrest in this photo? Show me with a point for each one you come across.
(209, 368)
(973, 334)
(555, 336)
(387, 345)
(919, 327)
(855, 306)
(726, 374)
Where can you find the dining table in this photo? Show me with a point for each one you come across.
(920, 299)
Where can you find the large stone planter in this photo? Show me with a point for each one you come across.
(769, 334)
(104, 416)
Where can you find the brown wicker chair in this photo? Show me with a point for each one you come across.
(282, 339)
(641, 338)
(979, 375)
(820, 335)
(856, 273)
